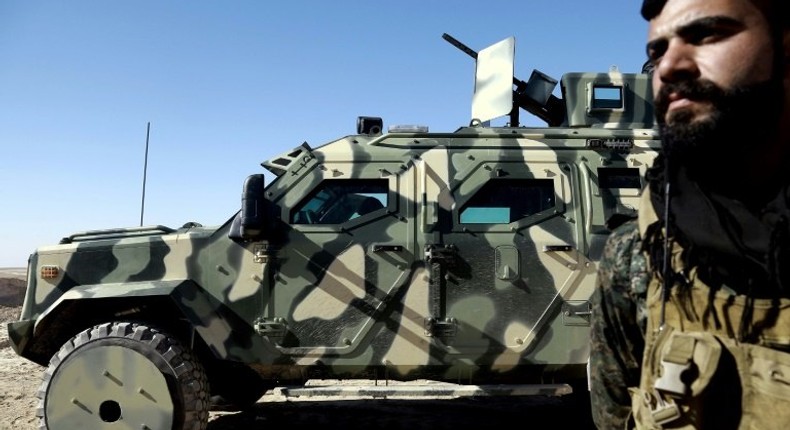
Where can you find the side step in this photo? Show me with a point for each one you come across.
(367, 389)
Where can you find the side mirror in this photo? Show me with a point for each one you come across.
(253, 208)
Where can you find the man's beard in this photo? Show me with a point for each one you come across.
(740, 121)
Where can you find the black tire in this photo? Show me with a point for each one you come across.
(123, 371)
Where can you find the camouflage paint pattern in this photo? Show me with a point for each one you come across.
(407, 291)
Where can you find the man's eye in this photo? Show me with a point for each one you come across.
(710, 31)
(654, 57)
(703, 36)
(656, 50)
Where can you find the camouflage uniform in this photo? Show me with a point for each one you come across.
(618, 332)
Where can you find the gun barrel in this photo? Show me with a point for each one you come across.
(469, 51)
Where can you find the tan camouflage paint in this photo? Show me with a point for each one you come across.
(321, 299)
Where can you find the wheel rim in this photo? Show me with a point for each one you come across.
(109, 386)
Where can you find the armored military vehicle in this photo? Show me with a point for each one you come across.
(466, 256)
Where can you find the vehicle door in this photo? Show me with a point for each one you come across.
(505, 266)
(348, 246)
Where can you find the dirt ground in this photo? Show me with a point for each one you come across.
(19, 380)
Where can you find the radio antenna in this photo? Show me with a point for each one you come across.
(145, 171)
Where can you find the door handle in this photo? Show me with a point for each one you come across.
(387, 248)
(557, 248)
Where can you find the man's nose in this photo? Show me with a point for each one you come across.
(678, 62)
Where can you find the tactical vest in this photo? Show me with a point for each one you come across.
(695, 373)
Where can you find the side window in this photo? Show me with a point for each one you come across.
(619, 177)
(607, 97)
(336, 201)
(502, 201)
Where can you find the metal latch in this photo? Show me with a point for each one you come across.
(274, 328)
(576, 313)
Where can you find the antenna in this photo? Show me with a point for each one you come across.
(145, 171)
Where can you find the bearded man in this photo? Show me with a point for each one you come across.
(691, 317)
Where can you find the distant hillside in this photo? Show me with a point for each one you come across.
(12, 290)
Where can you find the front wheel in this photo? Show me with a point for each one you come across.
(123, 375)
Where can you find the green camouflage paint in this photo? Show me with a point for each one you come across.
(407, 291)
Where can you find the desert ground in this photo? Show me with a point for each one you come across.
(19, 380)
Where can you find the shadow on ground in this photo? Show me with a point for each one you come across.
(535, 412)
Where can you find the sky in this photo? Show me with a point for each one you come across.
(226, 85)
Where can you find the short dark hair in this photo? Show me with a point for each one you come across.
(777, 11)
(651, 8)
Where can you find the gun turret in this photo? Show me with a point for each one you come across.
(533, 96)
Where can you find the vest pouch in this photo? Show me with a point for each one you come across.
(766, 387)
(688, 362)
(650, 409)
(692, 375)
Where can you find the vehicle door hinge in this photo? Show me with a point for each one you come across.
(442, 328)
(262, 253)
(441, 253)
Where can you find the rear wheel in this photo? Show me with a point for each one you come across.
(123, 375)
